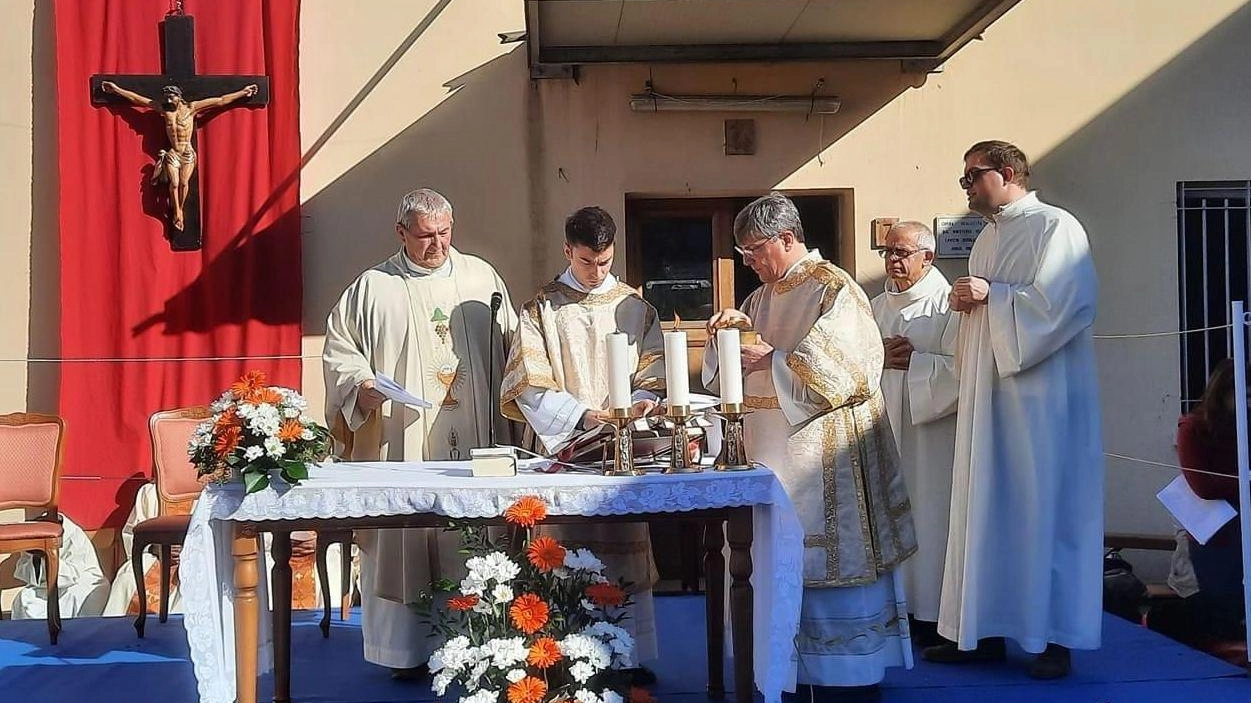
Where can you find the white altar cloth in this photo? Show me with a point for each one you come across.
(346, 490)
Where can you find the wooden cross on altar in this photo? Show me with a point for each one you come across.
(180, 96)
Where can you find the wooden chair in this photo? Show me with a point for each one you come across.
(32, 447)
(177, 487)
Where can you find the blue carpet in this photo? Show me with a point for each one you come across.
(101, 660)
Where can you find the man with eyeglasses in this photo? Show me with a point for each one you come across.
(1024, 554)
(820, 425)
(920, 388)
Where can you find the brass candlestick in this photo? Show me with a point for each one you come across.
(621, 445)
(680, 443)
(733, 450)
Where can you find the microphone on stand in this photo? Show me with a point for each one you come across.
(497, 300)
(493, 460)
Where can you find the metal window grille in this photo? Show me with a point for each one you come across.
(1213, 224)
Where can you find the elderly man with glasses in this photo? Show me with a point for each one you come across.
(920, 388)
(1025, 545)
(820, 425)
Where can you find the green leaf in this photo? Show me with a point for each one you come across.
(297, 470)
(254, 481)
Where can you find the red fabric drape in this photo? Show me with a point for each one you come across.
(123, 292)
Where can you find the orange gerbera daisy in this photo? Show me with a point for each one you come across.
(605, 594)
(463, 603)
(227, 440)
(641, 695)
(290, 431)
(529, 613)
(546, 554)
(230, 418)
(264, 395)
(526, 511)
(544, 653)
(527, 690)
(247, 383)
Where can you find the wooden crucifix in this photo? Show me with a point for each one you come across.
(180, 96)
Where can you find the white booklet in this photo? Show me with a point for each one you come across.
(394, 391)
(1200, 517)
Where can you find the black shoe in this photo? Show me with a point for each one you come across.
(925, 633)
(416, 673)
(1053, 663)
(805, 693)
(991, 649)
(640, 676)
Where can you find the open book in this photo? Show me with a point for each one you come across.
(652, 442)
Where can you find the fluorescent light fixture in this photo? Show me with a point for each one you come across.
(656, 102)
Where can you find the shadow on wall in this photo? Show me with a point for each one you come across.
(45, 248)
(470, 147)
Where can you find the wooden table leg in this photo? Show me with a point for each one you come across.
(714, 606)
(282, 616)
(739, 535)
(247, 616)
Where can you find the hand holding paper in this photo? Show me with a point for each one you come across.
(393, 391)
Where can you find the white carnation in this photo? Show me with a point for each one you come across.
(502, 594)
(246, 410)
(581, 672)
(442, 680)
(253, 453)
(307, 435)
(482, 696)
(583, 560)
(274, 447)
(472, 585)
(515, 675)
(586, 696)
(505, 653)
(291, 413)
(453, 655)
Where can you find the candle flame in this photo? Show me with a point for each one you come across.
(677, 321)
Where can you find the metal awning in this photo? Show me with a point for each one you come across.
(565, 33)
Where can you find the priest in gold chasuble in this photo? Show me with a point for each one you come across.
(820, 424)
(556, 382)
(422, 318)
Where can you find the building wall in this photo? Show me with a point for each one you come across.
(1115, 102)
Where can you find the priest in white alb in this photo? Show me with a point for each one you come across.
(1024, 554)
(814, 382)
(424, 319)
(555, 382)
(920, 388)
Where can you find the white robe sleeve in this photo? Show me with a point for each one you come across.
(553, 415)
(344, 364)
(932, 384)
(1030, 322)
(798, 401)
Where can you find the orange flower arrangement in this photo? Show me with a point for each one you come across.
(606, 594)
(258, 431)
(529, 613)
(544, 653)
(526, 512)
(527, 690)
(463, 603)
(545, 554)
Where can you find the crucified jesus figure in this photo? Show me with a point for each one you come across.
(176, 164)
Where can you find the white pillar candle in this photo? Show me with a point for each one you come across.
(618, 371)
(730, 366)
(677, 371)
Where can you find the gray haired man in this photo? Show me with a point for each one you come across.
(424, 318)
(820, 425)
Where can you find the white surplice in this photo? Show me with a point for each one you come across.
(921, 403)
(819, 424)
(555, 373)
(431, 331)
(1024, 554)
(83, 588)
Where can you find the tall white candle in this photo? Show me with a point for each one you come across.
(618, 371)
(730, 365)
(677, 372)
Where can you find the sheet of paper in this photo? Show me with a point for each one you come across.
(394, 391)
(1199, 516)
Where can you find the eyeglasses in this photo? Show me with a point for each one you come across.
(751, 250)
(966, 181)
(898, 254)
